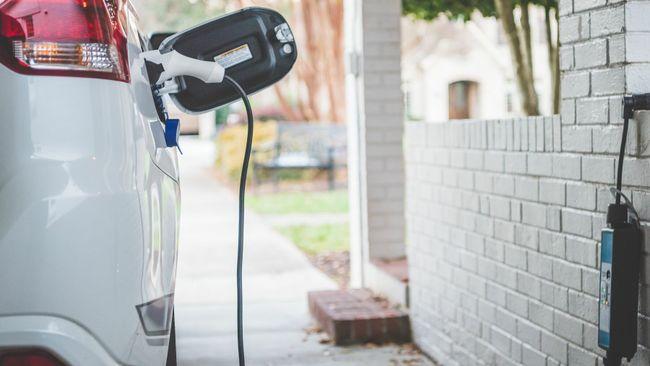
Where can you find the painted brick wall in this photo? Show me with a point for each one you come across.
(383, 113)
(376, 126)
(503, 228)
(504, 217)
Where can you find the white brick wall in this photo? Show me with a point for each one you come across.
(504, 217)
(375, 125)
(503, 246)
(383, 114)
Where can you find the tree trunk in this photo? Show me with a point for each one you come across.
(309, 68)
(553, 58)
(285, 106)
(336, 77)
(525, 28)
(523, 73)
(318, 79)
(528, 47)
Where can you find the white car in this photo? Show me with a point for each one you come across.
(89, 180)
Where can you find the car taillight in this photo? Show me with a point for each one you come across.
(28, 358)
(64, 37)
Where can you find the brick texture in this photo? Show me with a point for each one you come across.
(510, 276)
(376, 127)
(357, 316)
(510, 260)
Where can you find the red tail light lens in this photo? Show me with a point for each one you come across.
(28, 358)
(64, 37)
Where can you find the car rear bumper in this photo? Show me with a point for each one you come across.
(62, 338)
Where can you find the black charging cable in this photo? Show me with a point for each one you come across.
(618, 213)
(621, 159)
(240, 230)
(631, 104)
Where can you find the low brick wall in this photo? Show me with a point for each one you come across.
(503, 227)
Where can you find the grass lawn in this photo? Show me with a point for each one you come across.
(312, 239)
(300, 202)
(318, 239)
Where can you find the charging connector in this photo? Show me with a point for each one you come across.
(633, 103)
(174, 64)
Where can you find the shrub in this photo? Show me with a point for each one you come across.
(231, 143)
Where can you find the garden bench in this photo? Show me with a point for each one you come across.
(302, 146)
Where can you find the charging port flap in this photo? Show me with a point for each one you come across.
(254, 45)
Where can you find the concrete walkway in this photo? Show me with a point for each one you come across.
(277, 278)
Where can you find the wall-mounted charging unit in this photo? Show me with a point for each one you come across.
(620, 255)
(619, 281)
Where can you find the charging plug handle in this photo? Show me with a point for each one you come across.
(617, 214)
(175, 64)
(633, 103)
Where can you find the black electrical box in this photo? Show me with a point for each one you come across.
(619, 290)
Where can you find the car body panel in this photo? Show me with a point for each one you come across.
(90, 203)
(63, 338)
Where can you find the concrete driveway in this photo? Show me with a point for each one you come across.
(277, 279)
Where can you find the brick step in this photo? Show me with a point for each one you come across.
(358, 316)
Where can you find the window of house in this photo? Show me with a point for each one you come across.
(463, 100)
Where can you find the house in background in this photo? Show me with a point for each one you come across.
(460, 70)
